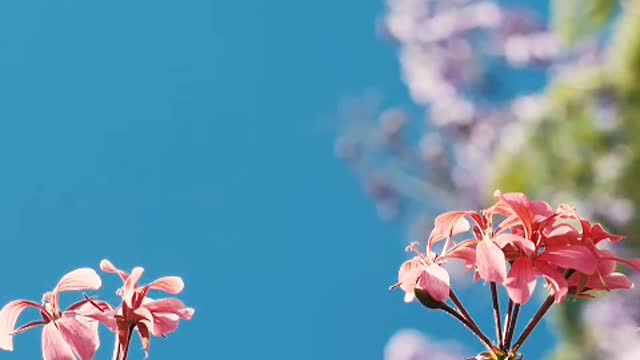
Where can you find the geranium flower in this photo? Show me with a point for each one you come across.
(141, 313)
(68, 334)
(531, 240)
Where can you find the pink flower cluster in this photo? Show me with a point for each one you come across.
(73, 333)
(512, 244)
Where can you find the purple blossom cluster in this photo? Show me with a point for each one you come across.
(460, 61)
(614, 323)
(413, 345)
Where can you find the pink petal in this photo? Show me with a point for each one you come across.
(435, 281)
(520, 205)
(490, 262)
(408, 276)
(81, 337)
(632, 263)
(105, 315)
(78, 280)
(598, 234)
(447, 225)
(562, 229)
(571, 257)
(614, 281)
(523, 244)
(142, 313)
(521, 280)
(541, 210)
(555, 278)
(53, 345)
(170, 306)
(464, 251)
(171, 284)
(108, 267)
(143, 332)
(106, 318)
(165, 324)
(131, 284)
(606, 262)
(8, 318)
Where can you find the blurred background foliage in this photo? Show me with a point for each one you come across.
(545, 102)
(586, 145)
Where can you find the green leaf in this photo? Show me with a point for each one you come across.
(576, 20)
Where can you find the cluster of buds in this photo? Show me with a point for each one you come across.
(511, 245)
(73, 333)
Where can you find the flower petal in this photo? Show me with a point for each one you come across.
(435, 281)
(598, 234)
(108, 267)
(170, 284)
(521, 280)
(78, 280)
(408, 276)
(170, 306)
(520, 205)
(143, 332)
(607, 262)
(490, 262)
(523, 244)
(8, 318)
(555, 278)
(464, 251)
(81, 337)
(448, 224)
(166, 324)
(541, 210)
(106, 317)
(131, 284)
(614, 281)
(53, 345)
(575, 257)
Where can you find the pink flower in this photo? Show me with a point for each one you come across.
(426, 275)
(532, 252)
(489, 258)
(68, 334)
(139, 312)
(426, 271)
(530, 241)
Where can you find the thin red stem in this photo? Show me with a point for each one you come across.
(474, 329)
(497, 314)
(513, 321)
(507, 321)
(533, 323)
(469, 322)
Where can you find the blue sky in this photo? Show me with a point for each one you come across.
(195, 139)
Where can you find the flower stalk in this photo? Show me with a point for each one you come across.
(496, 313)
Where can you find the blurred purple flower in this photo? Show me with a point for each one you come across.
(458, 59)
(412, 345)
(614, 322)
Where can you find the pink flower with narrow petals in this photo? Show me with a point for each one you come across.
(512, 244)
(139, 312)
(68, 334)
